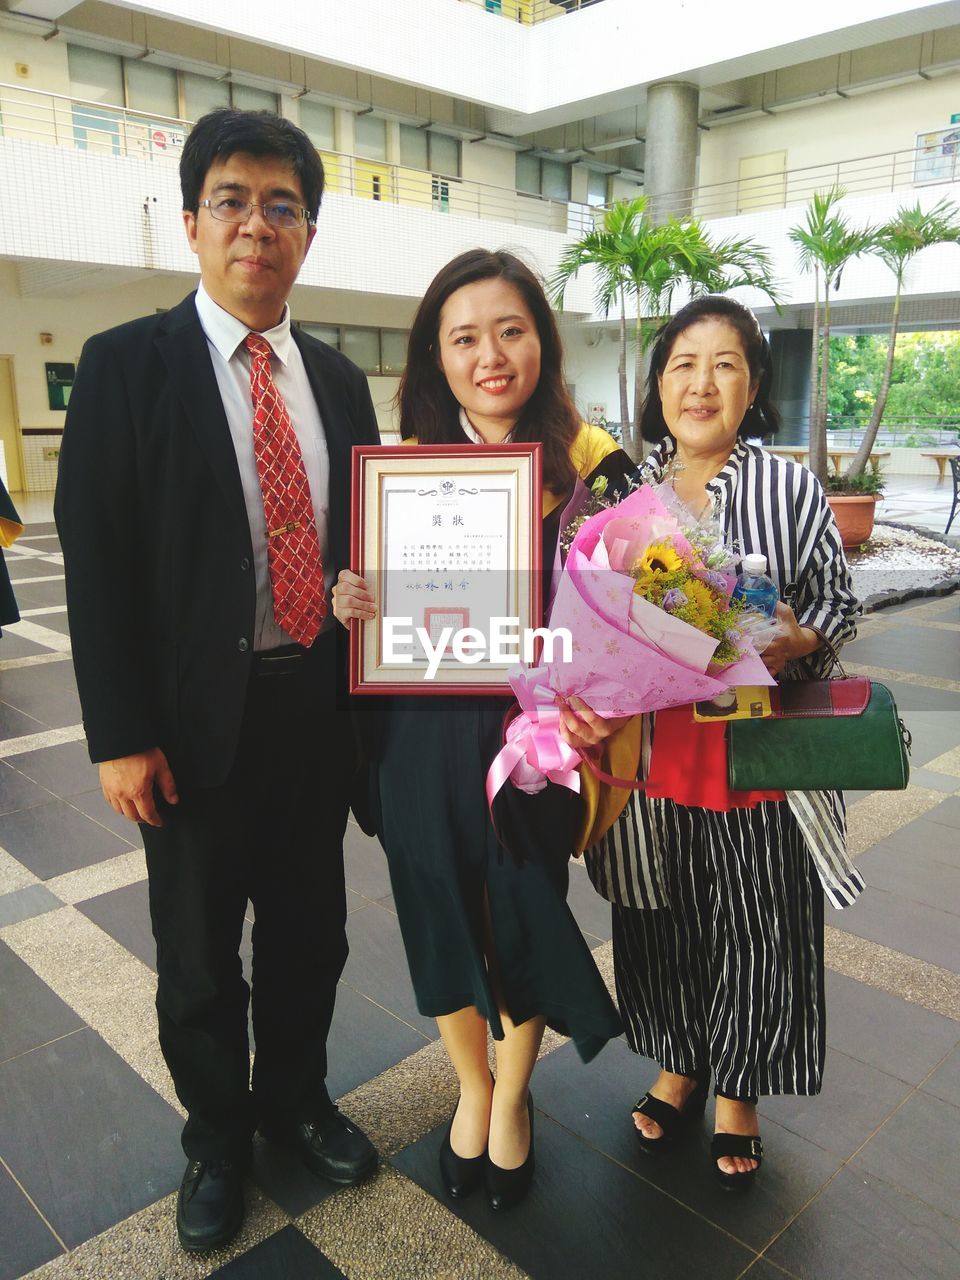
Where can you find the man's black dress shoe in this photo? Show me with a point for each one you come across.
(209, 1205)
(331, 1146)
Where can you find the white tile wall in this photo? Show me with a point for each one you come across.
(125, 211)
(89, 210)
(39, 474)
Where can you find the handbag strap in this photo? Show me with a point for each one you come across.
(610, 779)
(828, 645)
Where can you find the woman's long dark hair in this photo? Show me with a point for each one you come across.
(428, 409)
(761, 419)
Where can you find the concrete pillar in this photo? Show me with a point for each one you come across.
(344, 134)
(672, 140)
(791, 349)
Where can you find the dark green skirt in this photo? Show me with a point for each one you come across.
(445, 857)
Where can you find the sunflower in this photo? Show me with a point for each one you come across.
(701, 597)
(659, 557)
(649, 584)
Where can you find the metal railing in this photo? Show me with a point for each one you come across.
(102, 129)
(105, 129)
(889, 171)
(530, 12)
(908, 431)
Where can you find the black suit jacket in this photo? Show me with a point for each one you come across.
(159, 563)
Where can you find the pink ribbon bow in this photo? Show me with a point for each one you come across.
(534, 751)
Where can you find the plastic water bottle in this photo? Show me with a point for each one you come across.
(755, 587)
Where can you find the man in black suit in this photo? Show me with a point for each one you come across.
(219, 730)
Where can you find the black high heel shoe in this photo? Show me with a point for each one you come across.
(460, 1174)
(507, 1187)
(672, 1120)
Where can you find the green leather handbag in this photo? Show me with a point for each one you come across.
(825, 735)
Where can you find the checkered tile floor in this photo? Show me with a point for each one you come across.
(862, 1182)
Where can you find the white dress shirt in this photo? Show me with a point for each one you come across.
(231, 364)
(473, 435)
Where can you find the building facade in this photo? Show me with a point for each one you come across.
(446, 124)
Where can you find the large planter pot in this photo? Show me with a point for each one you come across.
(854, 515)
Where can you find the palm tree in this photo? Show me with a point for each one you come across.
(660, 258)
(827, 242)
(737, 264)
(604, 250)
(897, 242)
(635, 257)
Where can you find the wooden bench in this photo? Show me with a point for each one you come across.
(941, 457)
(876, 457)
(799, 453)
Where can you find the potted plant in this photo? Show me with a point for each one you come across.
(853, 501)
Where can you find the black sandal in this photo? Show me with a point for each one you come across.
(672, 1120)
(747, 1147)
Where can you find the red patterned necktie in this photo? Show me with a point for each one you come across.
(293, 548)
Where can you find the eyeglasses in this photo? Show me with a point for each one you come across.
(279, 213)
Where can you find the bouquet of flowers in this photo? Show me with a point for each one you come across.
(645, 594)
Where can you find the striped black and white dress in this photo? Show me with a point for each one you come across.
(718, 917)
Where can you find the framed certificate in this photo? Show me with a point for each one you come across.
(448, 538)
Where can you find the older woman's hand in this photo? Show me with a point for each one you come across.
(581, 728)
(792, 641)
(352, 598)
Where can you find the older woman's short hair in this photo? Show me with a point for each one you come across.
(761, 419)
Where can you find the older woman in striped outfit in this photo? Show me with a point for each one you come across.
(717, 904)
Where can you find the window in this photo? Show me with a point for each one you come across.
(317, 122)
(378, 352)
(528, 173)
(596, 187)
(543, 177)
(444, 154)
(429, 151)
(363, 348)
(96, 76)
(246, 99)
(555, 179)
(414, 147)
(152, 89)
(202, 94)
(370, 136)
(330, 334)
(440, 195)
(155, 90)
(393, 351)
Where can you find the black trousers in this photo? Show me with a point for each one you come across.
(272, 835)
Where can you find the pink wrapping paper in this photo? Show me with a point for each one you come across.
(628, 655)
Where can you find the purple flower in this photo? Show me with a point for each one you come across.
(715, 580)
(673, 599)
